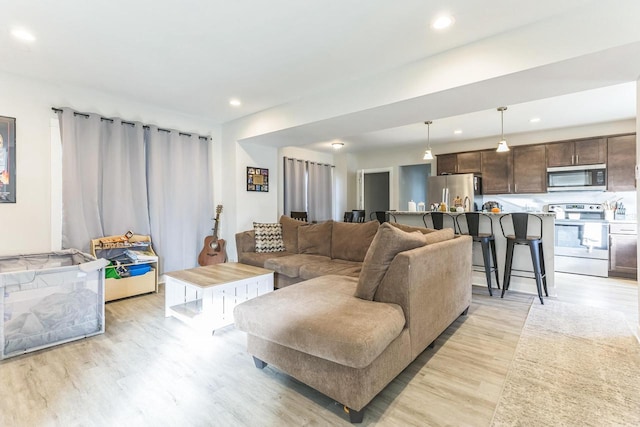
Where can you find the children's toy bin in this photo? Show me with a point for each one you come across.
(49, 299)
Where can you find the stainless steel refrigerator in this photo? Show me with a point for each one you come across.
(446, 188)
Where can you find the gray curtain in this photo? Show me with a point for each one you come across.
(180, 205)
(295, 185)
(320, 194)
(104, 190)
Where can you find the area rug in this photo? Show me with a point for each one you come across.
(573, 366)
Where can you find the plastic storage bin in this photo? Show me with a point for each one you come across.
(49, 299)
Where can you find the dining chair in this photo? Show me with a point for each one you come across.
(359, 215)
(299, 215)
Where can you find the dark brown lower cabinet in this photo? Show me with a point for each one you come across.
(623, 250)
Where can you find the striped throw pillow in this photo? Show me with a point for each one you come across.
(268, 237)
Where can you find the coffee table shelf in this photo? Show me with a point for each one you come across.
(205, 297)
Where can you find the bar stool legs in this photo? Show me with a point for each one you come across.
(507, 267)
(538, 268)
(489, 247)
(537, 259)
(494, 255)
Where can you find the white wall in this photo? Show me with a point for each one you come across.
(30, 225)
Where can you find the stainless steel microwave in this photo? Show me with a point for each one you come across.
(577, 178)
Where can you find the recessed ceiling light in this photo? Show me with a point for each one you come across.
(337, 145)
(534, 120)
(23, 35)
(457, 131)
(442, 22)
(234, 102)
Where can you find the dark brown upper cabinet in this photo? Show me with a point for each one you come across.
(469, 162)
(447, 163)
(580, 152)
(621, 163)
(529, 169)
(497, 172)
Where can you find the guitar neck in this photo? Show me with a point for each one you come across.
(217, 221)
(215, 228)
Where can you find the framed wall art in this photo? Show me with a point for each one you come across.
(257, 179)
(7, 160)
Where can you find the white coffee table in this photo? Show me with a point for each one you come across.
(204, 297)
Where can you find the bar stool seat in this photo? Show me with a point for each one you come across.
(520, 223)
(486, 240)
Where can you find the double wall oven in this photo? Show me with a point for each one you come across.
(581, 239)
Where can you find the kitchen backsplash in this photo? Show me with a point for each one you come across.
(538, 202)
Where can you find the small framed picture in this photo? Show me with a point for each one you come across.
(7, 160)
(257, 179)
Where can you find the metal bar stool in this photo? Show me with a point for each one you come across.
(438, 220)
(487, 241)
(520, 224)
(348, 216)
(381, 216)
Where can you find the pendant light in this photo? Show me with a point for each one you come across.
(427, 154)
(502, 145)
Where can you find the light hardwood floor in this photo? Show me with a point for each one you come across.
(148, 370)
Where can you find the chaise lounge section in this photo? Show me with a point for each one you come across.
(348, 337)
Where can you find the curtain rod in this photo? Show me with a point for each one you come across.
(307, 161)
(75, 113)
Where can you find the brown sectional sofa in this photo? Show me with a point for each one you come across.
(311, 250)
(349, 336)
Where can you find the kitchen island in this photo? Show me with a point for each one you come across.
(522, 265)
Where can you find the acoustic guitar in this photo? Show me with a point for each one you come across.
(214, 251)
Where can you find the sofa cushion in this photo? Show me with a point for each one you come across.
(246, 241)
(259, 259)
(268, 237)
(350, 240)
(439, 236)
(326, 267)
(321, 317)
(290, 233)
(290, 265)
(410, 228)
(388, 242)
(315, 239)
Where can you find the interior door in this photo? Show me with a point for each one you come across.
(376, 192)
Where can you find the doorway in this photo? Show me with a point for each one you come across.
(376, 192)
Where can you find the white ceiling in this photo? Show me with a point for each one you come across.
(600, 105)
(192, 56)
